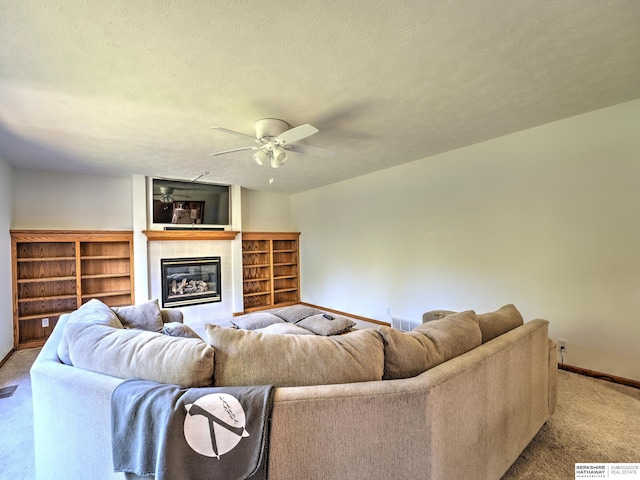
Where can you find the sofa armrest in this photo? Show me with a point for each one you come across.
(171, 315)
(435, 315)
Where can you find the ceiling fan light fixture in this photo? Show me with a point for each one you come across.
(259, 157)
(165, 194)
(279, 155)
(275, 138)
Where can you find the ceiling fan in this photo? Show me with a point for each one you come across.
(275, 139)
(166, 194)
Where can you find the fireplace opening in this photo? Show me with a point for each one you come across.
(190, 281)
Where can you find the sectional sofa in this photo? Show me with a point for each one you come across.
(425, 405)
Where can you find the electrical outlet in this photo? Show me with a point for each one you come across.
(45, 322)
(562, 345)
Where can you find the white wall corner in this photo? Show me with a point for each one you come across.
(140, 250)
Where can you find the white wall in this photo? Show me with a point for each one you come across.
(45, 200)
(265, 212)
(547, 219)
(6, 309)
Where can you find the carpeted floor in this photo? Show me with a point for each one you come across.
(595, 421)
(16, 418)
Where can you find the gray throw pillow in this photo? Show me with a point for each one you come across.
(94, 312)
(145, 316)
(295, 313)
(494, 324)
(177, 329)
(284, 328)
(407, 354)
(253, 321)
(244, 357)
(134, 353)
(321, 325)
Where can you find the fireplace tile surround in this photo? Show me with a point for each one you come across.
(217, 312)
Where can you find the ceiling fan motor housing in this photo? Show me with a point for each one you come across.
(270, 127)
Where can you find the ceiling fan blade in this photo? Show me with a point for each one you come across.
(234, 150)
(296, 133)
(237, 134)
(311, 150)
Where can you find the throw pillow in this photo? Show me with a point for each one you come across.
(92, 312)
(320, 325)
(494, 324)
(145, 316)
(177, 329)
(253, 321)
(407, 354)
(284, 328)
(244, 357)
(133, 353)
(295, 313)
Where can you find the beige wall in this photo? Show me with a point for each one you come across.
(6, 311)
(45, 200)
(265, 212)
(547, 219)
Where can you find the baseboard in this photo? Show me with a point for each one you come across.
(338, 312)
(599, 375)
(4, 360)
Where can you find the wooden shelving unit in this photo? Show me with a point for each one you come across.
(54, 272)
(270, 265)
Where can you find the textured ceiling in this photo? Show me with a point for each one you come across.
(124, 87)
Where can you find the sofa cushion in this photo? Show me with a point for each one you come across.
(407, 354)
(145, 316)
(284, 328)
(244, 357)
(178, 329)
(133, 353)
(92, 312)
(253, 321)
(320, 325)
(295, 313)
(494, 324)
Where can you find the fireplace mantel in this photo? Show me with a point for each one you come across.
(188, 234)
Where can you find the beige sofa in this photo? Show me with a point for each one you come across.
(469, 417)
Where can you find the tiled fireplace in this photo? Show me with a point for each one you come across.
(210, 311)
(190, 281)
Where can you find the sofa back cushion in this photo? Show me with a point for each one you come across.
(254, 321)
(295, 313)
(133, 353)
(494, 324)
(244, 357)
(94, 312)
(407, 354)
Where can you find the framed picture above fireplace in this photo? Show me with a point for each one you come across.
(190, 281)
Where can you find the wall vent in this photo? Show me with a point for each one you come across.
(7, 392)
(405, 324)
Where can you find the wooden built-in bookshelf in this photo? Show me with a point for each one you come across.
(270, 270)
(54, 272)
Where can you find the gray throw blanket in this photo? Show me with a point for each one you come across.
(190, 433)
